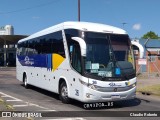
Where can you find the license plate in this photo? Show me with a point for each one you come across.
(115, 97)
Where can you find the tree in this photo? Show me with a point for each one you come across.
(150, 35)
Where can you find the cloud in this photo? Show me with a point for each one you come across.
(136, 26)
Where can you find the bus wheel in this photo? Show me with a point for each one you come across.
(25, 81)
(64, 93)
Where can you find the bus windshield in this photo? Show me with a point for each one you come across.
(109, 55)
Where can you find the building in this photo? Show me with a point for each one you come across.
(7, 30)
(8, 45)
(151, 61)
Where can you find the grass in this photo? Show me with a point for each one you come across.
(1, 101)
(5, 106)
(152, 89)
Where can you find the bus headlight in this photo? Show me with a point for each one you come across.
(133, 85)
(130, 85)
(92, 86)
(88, 95)
(83, 83)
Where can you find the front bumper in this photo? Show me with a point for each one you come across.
(91, 95)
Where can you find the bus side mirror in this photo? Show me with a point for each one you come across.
(141, 49)
(82, 45)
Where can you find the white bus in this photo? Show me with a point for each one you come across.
(89, 62)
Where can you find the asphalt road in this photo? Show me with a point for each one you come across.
(35, 99)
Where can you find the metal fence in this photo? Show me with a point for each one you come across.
(149, 66)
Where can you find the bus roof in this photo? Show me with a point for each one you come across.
(84, 26)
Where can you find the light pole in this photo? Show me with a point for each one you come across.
(79, 10)
(124, 23)
(5, 53)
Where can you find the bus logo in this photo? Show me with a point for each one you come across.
(112, 84)
(28, 61)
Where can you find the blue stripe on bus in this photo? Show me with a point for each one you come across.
(35, 61)
(49, 62)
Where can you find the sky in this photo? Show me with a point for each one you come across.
(137, 17)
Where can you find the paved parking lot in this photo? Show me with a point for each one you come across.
(35, 99)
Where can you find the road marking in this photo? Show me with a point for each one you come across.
(31, 104)
(47, 110)
(9, 96)
(4, 96)
(20, 105)
(23, 105)
(13, 100)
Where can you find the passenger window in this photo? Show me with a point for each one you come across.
(47, 44)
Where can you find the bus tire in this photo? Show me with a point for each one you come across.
(64, 93)
(25, 81)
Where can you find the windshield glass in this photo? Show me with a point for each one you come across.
(109, 55)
